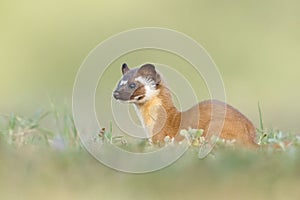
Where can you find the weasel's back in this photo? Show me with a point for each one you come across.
(213, 116)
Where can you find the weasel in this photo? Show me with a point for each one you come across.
(145, 88)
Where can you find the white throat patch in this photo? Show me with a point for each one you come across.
(150, 87)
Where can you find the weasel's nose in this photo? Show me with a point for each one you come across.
(116, 94)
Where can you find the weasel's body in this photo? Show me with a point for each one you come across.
(143, 87)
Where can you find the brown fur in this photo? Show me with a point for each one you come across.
(168, 121)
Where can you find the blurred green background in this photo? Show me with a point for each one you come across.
(255, 44)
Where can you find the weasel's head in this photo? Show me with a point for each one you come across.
(137, 85)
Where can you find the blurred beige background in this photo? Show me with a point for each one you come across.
(255, 44)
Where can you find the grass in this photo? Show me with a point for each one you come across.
(32, 131)
(41, 157)
(274, 139)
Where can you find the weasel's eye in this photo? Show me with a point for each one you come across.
(132, 85)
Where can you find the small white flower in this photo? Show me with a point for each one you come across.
(150, 141)
(202, 139)
(183, 132)
(172, 140)
(167, 139)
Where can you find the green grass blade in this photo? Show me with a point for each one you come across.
(260, 119)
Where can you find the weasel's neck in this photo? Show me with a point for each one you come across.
(159, 113)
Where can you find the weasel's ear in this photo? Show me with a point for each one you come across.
(148, 70)
(125, 68)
